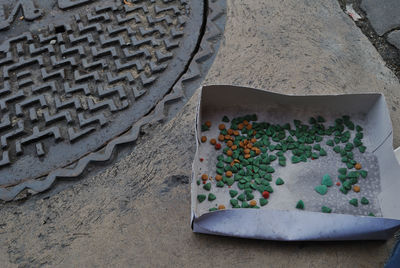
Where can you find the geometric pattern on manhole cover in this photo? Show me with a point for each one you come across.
(68, 89)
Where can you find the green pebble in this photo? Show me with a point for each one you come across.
(362, 148)
(225, 119)
(326, 180)
(347, 185)
(201, 197)
(320, 119)
(322, 152)
(263, 201)
(220, 164)
(359, 128)
(357, 142)
(230, 181)
(269, 189)
(364, 201)
(207, 186)
(321, 189)
(220, 184)
(349, 165)
(330, 143)
(198, 182)
(337, 140)
(220, 171)
(336, 149)
(234, 202)
(326, 209)
(371, 214)
(342, 177)
(343, 190)
(249, 196)
(363, 173)
(213, 209)
(295, 159)
(317, 147)
(211, 197)
(342, 171)
(279, 181)
(233, 193)
(282, 163)
(354, 202)
(245, 204)
(270, 169)
(241, 197)
(300, 204)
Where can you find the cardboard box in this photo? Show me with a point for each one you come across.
(279, 219)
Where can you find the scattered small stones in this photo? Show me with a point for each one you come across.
(248, 148)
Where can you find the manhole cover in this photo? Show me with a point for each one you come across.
(76, 73)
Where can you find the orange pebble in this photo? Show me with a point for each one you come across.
(253, 203)
(245, 122)
(246, 151)
(233, 147)
(236, 133)
(208, 124)
(253, 140)
(241, 144)
(236, 160)
(227, 137)
(203, 139)
(249, 145)
(229, 174)
(221, 207)
(229, 153)
(356, 188)
(229, 144)
(258, 151)
(247, 156)
(240, 126)
(213, 141)
(218, 177)
(204, 177)
(221, 127)
(358, 166)
(249, 126)
(221, 137)
(230, 131)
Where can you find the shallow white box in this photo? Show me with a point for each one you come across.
(279, 220)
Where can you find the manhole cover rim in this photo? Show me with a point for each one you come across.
(209, 47)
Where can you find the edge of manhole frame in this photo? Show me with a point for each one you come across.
(176, 97)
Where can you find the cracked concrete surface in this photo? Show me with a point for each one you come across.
(137, 212)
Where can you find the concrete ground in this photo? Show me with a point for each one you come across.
(137, 212)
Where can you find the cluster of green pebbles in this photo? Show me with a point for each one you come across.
(275, 142)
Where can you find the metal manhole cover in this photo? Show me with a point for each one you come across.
(97, 68)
